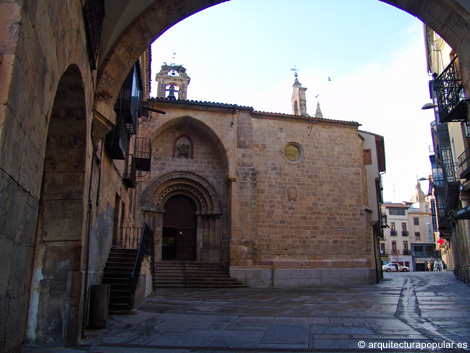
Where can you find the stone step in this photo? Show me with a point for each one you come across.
(170, 275)
(117, 274)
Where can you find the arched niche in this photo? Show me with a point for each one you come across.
(56, 286)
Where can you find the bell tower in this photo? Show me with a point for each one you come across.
(172, 82)
(299, 100)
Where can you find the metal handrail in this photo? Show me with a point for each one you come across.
(146, 247)
(183, 264)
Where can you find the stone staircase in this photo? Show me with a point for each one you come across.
(169, 274)
(117, 274)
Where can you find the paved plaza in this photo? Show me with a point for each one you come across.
(406, 312)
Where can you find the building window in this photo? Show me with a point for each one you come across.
(293, 152)
(183, 147)
(93, 12)
(393, 231)
(367, 157)
(395, 211)
(394, 248)
(404, 231)
(417, 235)
(419, 250)
(429, 251)
(406, 251)
(382, 248)
(416, 221)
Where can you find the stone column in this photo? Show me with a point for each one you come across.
(154, 219)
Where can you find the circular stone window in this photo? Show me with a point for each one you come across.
(293, 152)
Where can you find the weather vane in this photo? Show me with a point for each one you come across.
(295, 69)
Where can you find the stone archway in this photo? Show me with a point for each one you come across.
(447, 17)
(209, 242)
(56, 286)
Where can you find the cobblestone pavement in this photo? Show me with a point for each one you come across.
(406, 312)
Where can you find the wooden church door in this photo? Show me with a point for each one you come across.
(179, 229)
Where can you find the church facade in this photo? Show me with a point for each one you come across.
(281, 200)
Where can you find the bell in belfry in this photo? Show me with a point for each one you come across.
(171, 92)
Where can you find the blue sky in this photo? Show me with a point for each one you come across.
(241, 52)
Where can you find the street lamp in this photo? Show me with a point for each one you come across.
(429, 106)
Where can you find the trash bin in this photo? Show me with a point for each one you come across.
(98, 308)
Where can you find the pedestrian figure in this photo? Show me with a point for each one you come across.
(443, 266)
(429, 266)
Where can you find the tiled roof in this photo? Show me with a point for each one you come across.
(200, 103)
(306, 117)
(403, 204)
(236, 106)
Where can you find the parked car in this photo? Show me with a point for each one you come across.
(390, 267)
(403, 268)
(394, 267)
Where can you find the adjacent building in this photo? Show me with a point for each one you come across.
(374, 161)
(395, 245)
(450, 160)
(409, 238)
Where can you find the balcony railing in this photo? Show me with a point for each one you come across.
(405, 233)
(397, 252)
(393, 232)
(464, 164)
(143, 153)
(447, 177)
(130, 237)
(451, 101)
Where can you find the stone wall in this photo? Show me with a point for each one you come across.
(201, 172)
(309, 210)
(306, 214)
(37, 49)
(205, 160)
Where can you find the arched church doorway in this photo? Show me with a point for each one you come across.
(179, 235)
